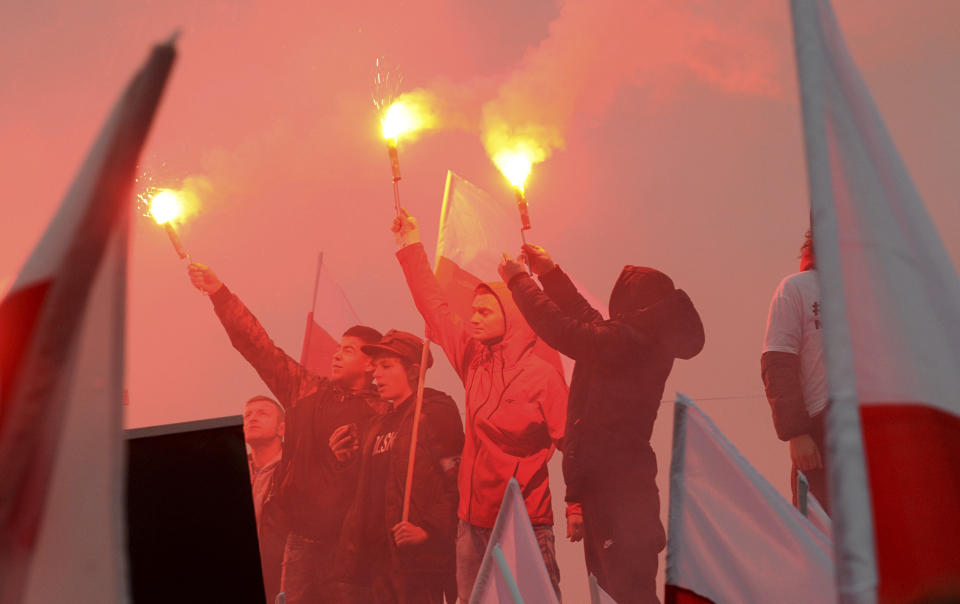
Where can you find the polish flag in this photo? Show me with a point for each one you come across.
(732, 536)
(475, 229)
(62, 534)
(891, 317)
(512, 569)
(332, 314)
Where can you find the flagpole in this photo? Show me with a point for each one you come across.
(305, 353)
(424, 356)
(508, 577)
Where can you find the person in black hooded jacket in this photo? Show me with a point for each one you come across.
(621, 368)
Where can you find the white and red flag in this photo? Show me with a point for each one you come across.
(475, 229)
(62, 535)
(512, 570)
(331, 315)
(732, 537)
(891, 320)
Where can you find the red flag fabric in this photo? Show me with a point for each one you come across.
(61, 377)
(514, 536)
(331, 315)
(891, 317)
(732, 536)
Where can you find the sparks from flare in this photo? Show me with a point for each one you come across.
(164, 206)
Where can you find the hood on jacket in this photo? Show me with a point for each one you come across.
(518, 336)
(647, 298)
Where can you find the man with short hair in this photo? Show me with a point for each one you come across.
(314, 493)
(263, 428)
(516, 405)
(794, 374)
(622, 365)
(392, 560)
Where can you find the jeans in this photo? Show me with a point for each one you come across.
(472, 544)
(307, 575)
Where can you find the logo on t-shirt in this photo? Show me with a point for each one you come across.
(816, 314)
(384, 442)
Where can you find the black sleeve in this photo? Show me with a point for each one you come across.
(781, 380)
(576, 338)
(445, 430)
(561, 290)
(284, 376)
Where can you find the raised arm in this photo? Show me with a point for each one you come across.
(446, 327)
(576, 338)
(558, 285)
(283, 375)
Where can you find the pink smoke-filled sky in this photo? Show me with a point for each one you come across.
(676, 143)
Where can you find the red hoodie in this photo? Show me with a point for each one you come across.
(516, 403)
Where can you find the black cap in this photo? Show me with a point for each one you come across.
(399, 344)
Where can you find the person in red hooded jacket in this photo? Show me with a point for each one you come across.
(621, 367)
(515, 408)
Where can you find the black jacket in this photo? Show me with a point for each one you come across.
(433, 504)
(312, 493)
(621, 367)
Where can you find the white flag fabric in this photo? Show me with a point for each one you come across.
(891, 321)
(732, 536)
(331, 315)
(475, 228)
(597, 595)
(62, 536)
(513, 535)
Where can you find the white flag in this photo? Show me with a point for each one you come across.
(732, 536)
(520, 566)
(891, 317)
(62, 536)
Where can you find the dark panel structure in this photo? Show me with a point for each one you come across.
(192, 534)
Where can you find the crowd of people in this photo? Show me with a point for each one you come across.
(329, 455)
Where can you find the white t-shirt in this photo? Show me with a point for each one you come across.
(794, 326)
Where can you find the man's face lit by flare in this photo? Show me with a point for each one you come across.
(487, 318)
(262, 422)
(349, 362)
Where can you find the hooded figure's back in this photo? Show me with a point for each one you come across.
(622, 365)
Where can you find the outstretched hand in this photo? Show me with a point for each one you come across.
(203, 278)
(405, 229)
(510, 268)
(538, 259)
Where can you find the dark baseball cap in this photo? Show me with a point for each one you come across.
(399, 344)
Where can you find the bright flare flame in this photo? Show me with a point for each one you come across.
(515, 165)
(165, 206)
(406, 116)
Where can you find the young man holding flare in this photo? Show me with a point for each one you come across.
(515, 408)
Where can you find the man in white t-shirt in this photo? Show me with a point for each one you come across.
(794, 373)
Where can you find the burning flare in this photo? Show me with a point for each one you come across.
(515, 166)
(407, 115)
(165, 206)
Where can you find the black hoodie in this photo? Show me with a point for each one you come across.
(621, 367)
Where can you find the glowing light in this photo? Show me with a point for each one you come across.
(165, 206)
(402, 118)
(515, 165)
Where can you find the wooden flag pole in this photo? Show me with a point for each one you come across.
(408, 486)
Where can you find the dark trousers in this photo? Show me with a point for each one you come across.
(816, 478)
(307, 576)
(622, 540)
